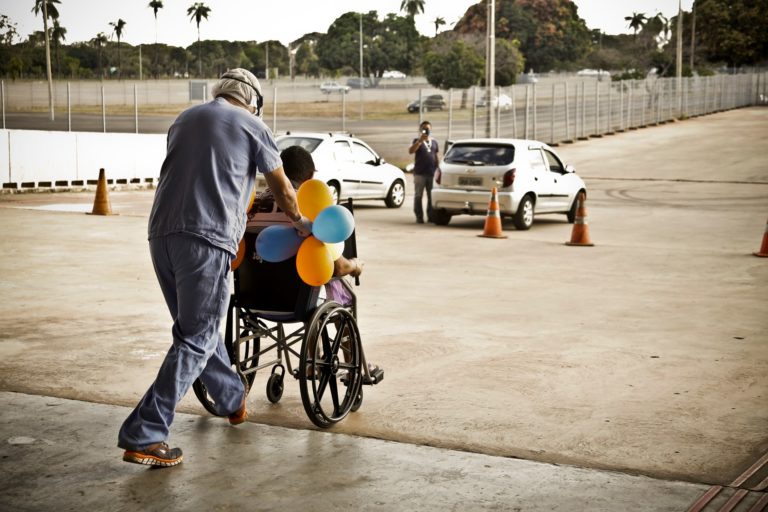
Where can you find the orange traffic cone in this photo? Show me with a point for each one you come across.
(492, 227)
(101, 205)
(763, 252)
(580, 233)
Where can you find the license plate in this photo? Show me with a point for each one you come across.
(470, 181)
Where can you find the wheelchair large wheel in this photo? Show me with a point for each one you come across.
(330, 369)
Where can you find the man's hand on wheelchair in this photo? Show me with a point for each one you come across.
(303, 225)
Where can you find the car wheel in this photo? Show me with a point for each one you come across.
(334, 191)
(571, 215)
(441, 217)
(523, 218)
(396, 195)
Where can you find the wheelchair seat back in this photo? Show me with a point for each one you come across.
(275, 289)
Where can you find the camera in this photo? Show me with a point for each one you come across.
(425, 132)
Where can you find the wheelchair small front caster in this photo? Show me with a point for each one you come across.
(275, 388)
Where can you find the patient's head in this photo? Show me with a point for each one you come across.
(297, 164)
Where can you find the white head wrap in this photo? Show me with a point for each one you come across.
(240, 84)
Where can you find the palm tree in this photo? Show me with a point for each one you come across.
(438, 22)
(58, 34)
(117, 29)
(636, 21)
(49, 11)
(197, 12)
(412, 7)
(155, 5)
(99, 41)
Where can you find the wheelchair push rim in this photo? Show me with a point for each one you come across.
(330, 367)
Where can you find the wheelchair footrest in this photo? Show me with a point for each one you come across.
(377, 376)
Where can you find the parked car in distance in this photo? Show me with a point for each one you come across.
(393, 74)
(501, 101)
(331, 87)
(531, 180)
(355, 82)
(431, 102)
(528, 78)
(349, 166)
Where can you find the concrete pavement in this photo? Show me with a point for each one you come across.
(644, 355)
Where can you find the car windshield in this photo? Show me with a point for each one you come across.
(480, 154)
(308, 143)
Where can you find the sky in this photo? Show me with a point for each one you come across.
(283, 20)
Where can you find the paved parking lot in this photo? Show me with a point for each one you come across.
(645, 354)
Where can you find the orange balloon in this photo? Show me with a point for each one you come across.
(240, 255)
(314, 262)
(250, 203)
(313, 197)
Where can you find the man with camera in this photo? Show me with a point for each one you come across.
(425, 164)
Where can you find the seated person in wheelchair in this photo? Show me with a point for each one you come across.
(299, 167)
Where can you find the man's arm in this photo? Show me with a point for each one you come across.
(415, 146)
(285, 196)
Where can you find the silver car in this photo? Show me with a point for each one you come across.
(349, 166)
(531, 179)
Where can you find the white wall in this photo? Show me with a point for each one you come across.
(29, 156)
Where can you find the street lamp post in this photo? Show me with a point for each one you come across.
(361, 66)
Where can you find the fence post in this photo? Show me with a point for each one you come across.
(69, 109)
(567, 116)
(421, 104)
(552, 117)
(274, 109)
(450, 114)
(597, 107)
(514, 113)
(527, 107)
(630, 101)
(103, 111)
(609, 131)
(498, 110)
(136, 106)
(535, 123)
(621, 105)
(2, 99)
(642, 106)
(474, 111)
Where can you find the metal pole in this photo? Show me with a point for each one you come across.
(514, 113)
(103, 111)
(421, 106)
(583, 110)
(2, 96)
(136, 105)
(535, 123)
(629, 104)
(361, 67)
(597, 108)
(621, 105)
(610, 108)
(474, 111)
(642, 106)
(69, 109)
(552, 117)
(344, 111)
(141, 76)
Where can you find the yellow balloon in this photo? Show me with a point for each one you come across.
(240, 255)
(336, 250)
(313, 197)
(314, 262)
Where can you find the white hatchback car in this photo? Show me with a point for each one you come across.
(349, 166)
(530, 177)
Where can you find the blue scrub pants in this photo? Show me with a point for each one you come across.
(193, 276)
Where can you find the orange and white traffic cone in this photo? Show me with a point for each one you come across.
(101, 204)
(763, 252)
(580, 232)
(492, 227)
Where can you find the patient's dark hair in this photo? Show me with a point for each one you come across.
(297, 164)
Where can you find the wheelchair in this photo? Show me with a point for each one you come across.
(273, 310)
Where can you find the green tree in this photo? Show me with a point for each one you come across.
(458, 65)
(439, 21)
(509, 62)
(117, 29)
(730, 31)
(636, 21)
(196, 13)
(155, 5)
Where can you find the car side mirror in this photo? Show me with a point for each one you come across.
(569, 168)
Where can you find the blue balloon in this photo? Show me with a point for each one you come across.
(278, 243)
(333, 224)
